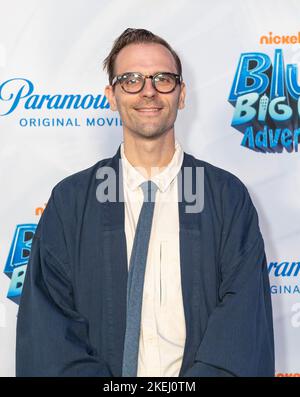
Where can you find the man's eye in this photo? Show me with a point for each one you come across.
(163, 79)
(132, 81)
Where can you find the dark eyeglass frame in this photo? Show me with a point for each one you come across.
(118, 79)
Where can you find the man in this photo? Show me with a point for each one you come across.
(201, 304)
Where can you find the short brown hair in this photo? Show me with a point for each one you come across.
(133, 36)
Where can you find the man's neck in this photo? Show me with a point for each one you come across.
(150, 156)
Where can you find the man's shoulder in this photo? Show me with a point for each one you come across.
(216, 176)
(80, 181)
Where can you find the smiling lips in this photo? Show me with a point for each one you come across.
(148, 110)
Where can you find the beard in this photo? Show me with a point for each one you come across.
(148, 130)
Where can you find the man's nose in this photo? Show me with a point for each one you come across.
(148, 90)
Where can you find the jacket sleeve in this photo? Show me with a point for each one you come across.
(52, 336)
(239, 340)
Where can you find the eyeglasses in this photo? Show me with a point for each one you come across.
(134, 82)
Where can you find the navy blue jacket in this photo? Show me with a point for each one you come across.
(72, 314)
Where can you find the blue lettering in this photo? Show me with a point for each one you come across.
(27, 87)
(261, 139)
(250, 75)
(280, 111)
(53, 102)
(248, 139)
(284, 269)
(89, 99)
(277, 82)
(286, 137)
(274, 139)
(292, 81)
(16, 284)
(104, 104)
(20, 248)
(244, 112)
(14, 90)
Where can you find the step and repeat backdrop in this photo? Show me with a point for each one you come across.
(240, 65)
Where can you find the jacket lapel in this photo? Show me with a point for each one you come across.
(115, 271)
(189, 238)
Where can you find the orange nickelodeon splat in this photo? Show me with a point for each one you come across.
(40, 210)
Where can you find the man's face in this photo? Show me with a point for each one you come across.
(148, 113)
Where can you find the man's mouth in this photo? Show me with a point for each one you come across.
(149, 110)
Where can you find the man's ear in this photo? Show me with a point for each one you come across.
(110, 95)
(181, 102)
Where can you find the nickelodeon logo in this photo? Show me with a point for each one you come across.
(287, 375)
(277, 39)
(39, 210)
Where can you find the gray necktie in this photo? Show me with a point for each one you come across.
(135, 282)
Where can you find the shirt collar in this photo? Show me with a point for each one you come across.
(133, 177)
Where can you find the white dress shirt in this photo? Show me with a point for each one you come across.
(163, 332)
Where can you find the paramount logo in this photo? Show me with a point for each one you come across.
(21, 92)
(284, 269)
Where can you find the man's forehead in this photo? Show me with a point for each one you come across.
(145, 58)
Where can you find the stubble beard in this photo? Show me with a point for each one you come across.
(150, 131)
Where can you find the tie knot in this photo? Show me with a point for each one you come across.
(149, 189)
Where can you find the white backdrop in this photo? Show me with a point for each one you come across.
(56, 47)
